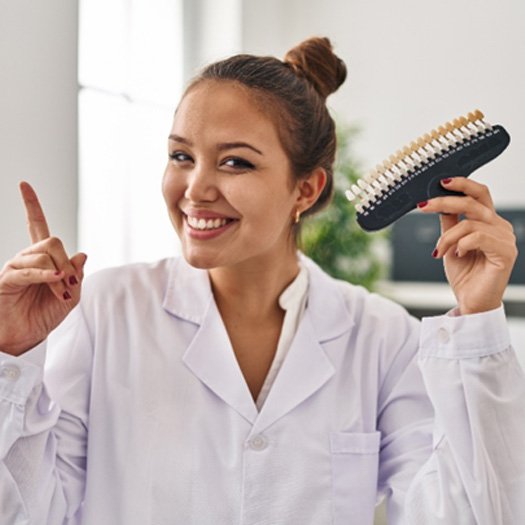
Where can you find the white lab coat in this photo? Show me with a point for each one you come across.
(146, 419)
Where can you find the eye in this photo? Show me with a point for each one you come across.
(179, 157)
(238, 164)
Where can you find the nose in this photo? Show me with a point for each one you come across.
(201, 185)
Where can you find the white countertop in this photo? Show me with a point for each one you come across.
(434, 295)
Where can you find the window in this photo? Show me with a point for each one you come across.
(130, 74)
(134, 57)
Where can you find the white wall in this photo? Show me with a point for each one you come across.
(38, 116)
(413, 64)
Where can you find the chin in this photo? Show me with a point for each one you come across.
(201, 260)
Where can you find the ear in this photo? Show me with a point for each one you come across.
(310, 188)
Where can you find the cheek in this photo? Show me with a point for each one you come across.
(269, 208)
(172, 189)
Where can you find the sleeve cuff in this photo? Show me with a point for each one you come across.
(37, 354)
(455, 336)
(19, 375)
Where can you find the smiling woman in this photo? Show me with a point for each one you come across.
(212, 174)
(240, 383)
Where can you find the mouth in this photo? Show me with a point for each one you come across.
(207, 227)
(202, 224)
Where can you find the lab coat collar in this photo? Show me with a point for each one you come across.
(210, 357)
(188, 291)
(188, 294)
(329, 312)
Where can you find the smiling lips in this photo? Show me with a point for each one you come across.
(206, 224)
(207, 227)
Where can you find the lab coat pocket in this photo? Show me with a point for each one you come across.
(355, 458)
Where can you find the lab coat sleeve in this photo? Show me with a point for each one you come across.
(475, 471)
(43, 443)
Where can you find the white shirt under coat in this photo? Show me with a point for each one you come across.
(145, 417)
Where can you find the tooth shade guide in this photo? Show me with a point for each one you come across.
(350, 196)
(459, 140)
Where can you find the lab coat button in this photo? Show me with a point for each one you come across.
(258, 442)
(443, 335)
(10, 372)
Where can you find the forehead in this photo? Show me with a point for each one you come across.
(226, 110)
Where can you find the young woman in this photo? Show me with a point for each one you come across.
(240, 384)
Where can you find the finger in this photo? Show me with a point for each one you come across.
(55, 249)
(41, 261)
(449, 239)
(467, 206)
(79, 261)
(34, 264)
(470, 187)
(447, 221)
(27, 276)
(501, 253)
(36, 220)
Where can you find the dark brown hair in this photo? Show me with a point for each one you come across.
(294, 92)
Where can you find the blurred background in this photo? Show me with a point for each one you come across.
(88, 90)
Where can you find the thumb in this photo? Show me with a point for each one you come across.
(78, 261)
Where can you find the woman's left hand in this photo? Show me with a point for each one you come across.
(479, 251)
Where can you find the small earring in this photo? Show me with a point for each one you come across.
(297, 216)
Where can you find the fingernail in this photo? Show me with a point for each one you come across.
(422, 204)
(67, 295)
(446, 181)
(456, 253)
(58, 272)
(434, 253)
(73, 280)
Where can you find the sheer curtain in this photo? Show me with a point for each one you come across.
(130, 74)
(134, 57)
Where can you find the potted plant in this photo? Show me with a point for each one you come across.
(333, 238)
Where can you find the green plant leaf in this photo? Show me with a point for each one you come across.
(333, 238)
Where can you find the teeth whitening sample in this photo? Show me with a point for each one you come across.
(413, 174)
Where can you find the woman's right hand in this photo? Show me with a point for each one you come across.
(39, 286)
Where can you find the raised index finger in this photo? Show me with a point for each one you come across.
(36, 220)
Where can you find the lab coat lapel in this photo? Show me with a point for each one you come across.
(305, 370)
(209, 355)
(211, 358)
(307, 366)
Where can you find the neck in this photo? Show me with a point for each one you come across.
(251, 289)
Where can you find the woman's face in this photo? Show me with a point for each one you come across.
(227, 184)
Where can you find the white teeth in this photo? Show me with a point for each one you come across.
(206, 224)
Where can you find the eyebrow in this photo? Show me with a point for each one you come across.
(220, 147)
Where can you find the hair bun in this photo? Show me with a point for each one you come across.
(315, 60)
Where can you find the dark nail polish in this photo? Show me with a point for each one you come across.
(67, 295)
(73, 280)
(456, 253)
(57, 273)
(434, 253)
(446, 181)
(422, 204)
